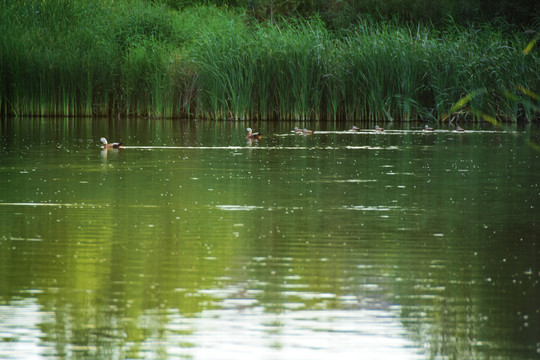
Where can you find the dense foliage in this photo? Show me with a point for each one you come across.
(145, 58)
(344, 13)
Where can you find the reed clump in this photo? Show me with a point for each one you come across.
(132, 58)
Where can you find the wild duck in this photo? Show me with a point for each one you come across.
(252, 135)
(106, 145)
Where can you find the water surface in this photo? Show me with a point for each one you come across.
(194, 243)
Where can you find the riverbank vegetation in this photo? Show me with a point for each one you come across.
(229, 60)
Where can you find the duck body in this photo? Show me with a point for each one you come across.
(107, 145)
(427, 128)
(378, 128)
(252, 135)
(354, 128)
(303, 131)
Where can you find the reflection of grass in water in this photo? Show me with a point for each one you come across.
(132, 58)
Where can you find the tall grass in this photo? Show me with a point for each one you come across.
(88, 58)
(384, 73)
(131, 58)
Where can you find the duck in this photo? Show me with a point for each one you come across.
(354, 128)
(252, 135)
(378, 128)
(307, 132)
(459, 128)
(106, 145)
(427, 128)
(297, 130)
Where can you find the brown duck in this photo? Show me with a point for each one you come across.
(106, 145)
(252, 135)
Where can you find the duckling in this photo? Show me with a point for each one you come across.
(106, 145)
(427, 128)
(252, 135)
(377, 128)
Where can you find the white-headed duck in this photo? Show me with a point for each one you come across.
(106, 145)
(252, 135)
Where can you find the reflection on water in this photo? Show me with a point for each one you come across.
(190, 243)
(238, 331)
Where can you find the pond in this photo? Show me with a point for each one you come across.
(194, 243)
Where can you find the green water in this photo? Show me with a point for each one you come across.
(194, 243)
